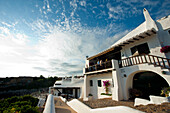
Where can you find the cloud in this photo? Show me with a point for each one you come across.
(83, 3)
(16, 57)
(63, 41)
(63, 50)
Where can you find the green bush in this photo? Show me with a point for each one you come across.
(23, 104)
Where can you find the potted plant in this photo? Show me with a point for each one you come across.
(134, 93)
(90, 96)
(165, 49)
(165, 91)
(106, 84)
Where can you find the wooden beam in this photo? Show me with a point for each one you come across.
(135, 39)
(130, 41)
(148, 34)
(125, 43)
(141, 37)
(122, 45)
(153, 31)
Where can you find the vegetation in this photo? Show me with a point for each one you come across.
(106, 94)
(165, 91)
(90, 94)
(106, 84)
(22, 104)
(38, 82)
(133, 93)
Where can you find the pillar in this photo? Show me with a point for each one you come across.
(117, 90)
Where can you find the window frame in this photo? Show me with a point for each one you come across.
(137, 49)
(91, 83)
(99, 84)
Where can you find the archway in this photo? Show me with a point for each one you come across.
(149, 83)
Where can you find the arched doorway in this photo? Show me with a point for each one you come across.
(149, 83)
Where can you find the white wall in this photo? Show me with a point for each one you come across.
(153, 43)
(49, 106)
(95, 90)
(132, 70)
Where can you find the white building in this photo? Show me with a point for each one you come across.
(135, 61)
(72, 87)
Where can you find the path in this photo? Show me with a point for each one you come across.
(61, 107)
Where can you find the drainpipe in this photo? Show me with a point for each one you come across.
(49, 106)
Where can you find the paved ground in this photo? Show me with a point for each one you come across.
(151, 108)
(61, 107)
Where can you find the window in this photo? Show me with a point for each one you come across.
(91, 82)
(140, 49)
(99, 83)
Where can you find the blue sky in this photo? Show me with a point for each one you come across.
(52, 37)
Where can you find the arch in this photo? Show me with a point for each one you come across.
(143, 73)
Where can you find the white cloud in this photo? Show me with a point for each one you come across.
(15, 55)
(83, 3)
(62, 47)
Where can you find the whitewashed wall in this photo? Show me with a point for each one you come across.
(95, 90)
(153, 43)
(132, 70)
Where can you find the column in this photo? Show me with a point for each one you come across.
(117, 90)
(85, 88)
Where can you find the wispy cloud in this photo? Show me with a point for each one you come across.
(65, 32)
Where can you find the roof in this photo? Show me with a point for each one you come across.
(164, 22)
(70, 84)
(147, 28)
(129, 38)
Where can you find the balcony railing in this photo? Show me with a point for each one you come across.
(104, 65)
(150, 59)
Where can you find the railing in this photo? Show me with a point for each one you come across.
(150, 59)
(104, 65)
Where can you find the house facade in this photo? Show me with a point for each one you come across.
(68, 87)
(133, 63)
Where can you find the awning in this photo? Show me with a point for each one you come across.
(101, 53)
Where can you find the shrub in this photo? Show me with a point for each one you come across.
(23, 104)
(165, 91)
(165, 49)
(90, 94)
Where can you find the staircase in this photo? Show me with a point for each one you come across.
(164, 63)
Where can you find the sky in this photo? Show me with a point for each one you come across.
(53, 37)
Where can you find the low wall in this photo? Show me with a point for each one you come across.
(49, 106)
(153, 100)
(78, 106)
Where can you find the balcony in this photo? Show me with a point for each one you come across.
(97, 67)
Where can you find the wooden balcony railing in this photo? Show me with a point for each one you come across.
(104, 65)
(150, 59)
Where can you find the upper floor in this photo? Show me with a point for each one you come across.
(141, 45)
